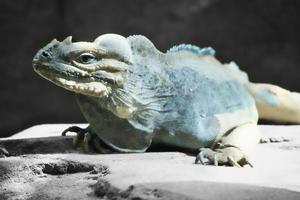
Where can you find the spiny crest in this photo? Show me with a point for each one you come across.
(207, 51)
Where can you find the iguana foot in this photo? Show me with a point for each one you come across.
(87, 140)
(223, 155)
(3, 152)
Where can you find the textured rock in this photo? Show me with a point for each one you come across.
(168, 175)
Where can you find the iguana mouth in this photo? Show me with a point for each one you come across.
(86, 88)
(76, 80)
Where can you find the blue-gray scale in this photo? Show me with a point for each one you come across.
(186, 118)
(175, 105)
(196, 100)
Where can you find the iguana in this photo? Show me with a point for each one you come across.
(133, 95)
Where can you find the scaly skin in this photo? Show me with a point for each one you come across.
(133, 95)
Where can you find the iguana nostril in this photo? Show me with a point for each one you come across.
(45, 54)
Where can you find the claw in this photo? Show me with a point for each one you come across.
(3, 152)
(233, 162)
(74, 129)
(86, 140)
(249, 162)
(216, 160)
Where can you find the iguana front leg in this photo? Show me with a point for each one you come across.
(87, 139)
(233, 149)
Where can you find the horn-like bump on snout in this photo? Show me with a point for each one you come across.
(54, 42)
(68, 40)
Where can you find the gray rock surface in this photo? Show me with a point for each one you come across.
(57, 171)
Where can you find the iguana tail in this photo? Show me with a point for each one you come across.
(276, 103)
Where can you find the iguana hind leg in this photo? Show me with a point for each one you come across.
(233, 149)
(276, 103)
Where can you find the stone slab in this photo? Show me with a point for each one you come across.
(39, 172)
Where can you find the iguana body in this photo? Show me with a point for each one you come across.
(133, 95)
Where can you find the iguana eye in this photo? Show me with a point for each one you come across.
(86, 58)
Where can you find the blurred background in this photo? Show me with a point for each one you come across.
(262, 37)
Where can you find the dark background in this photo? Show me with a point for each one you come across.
(262, 36)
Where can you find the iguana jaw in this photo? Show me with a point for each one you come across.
(86, 88)
(75, 80)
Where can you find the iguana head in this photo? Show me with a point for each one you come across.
(89, 68)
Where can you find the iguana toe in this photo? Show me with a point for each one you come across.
(3, 152)
(86, 142)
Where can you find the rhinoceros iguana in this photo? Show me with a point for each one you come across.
(133, 95)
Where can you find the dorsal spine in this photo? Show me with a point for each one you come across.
(207, 51)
